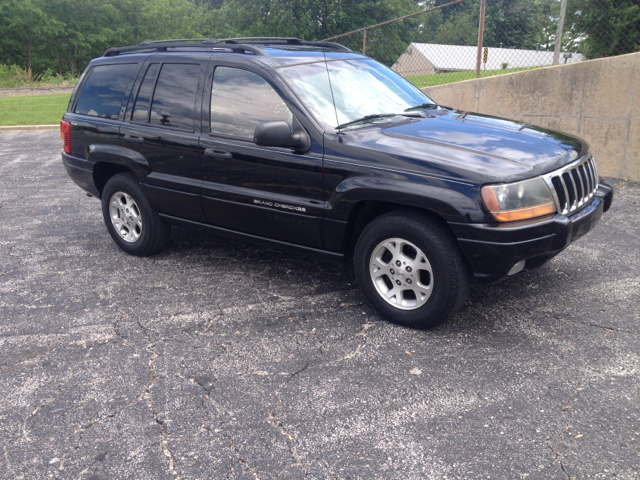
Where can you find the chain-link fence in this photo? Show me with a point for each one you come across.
(441, 45)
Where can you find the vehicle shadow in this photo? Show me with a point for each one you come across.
(284, 267)
(528, 295)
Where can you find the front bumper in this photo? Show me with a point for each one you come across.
(493, 249)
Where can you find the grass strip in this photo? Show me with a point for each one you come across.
(422, 81)
(34, 109)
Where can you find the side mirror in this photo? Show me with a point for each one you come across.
(278, 134)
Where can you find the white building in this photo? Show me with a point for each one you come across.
(430, 58)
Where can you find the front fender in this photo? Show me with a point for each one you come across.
(454, 202)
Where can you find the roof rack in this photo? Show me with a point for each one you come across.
(239, 45)
(150, 42)
(263, 40)
(163, 45)
(285, 41)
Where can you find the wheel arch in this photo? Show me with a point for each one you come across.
(111, 160)
(103, 171)
(366, 211)
(358, 201)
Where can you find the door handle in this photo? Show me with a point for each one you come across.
(133, 139)
(214, 153)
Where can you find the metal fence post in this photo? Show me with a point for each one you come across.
(483, 4)
(556, 50)
(364, 43)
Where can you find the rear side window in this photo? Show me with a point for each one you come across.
(103, 91)
(141, 110)
(173, 103)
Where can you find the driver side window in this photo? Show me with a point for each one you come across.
(240, 100)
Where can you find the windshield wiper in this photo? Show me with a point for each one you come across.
(423, 105)
(367, 117)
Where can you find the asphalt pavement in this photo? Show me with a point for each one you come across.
(222, 360)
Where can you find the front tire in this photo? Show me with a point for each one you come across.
(132, 222)
(411, 269)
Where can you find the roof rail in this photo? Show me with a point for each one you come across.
(268, 40)
(163, 45)
(240, 45)
(150, 42)
(336, 46)
(285, 41)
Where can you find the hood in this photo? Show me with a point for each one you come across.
(468, 146)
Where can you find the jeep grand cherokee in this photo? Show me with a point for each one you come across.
(310, 146)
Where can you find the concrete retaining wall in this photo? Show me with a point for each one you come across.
(598, 100)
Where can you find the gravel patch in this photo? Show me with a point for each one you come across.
(23, 92)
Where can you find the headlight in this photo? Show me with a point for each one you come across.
(519, 201)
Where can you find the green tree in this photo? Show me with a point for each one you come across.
(88, 27)
(320, 19)
(461, 29)
(514, 24)
(508, 23)
(175, 19)
(608, 27)
(571, 36)
(308, 19)
(63, 35)
(23, 26)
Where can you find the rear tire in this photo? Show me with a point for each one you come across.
(411, 269)
(132, 222)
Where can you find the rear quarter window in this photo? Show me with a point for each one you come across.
(104, 89)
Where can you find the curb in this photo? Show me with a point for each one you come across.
(29, 127)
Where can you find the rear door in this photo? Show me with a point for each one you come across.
(265, 191)
(162, 128)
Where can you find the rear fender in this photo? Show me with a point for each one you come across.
(124, 157)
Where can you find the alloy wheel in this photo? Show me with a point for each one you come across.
(401, 273)
(125, 216)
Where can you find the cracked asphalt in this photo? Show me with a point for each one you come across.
(223, 360)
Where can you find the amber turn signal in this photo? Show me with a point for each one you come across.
(490, 200)
(524, 213)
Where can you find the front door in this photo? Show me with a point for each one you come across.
(270, 192)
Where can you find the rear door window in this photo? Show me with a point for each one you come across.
(174, 99)
(141, 109)
(104, 89)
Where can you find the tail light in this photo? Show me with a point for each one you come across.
(65, 135)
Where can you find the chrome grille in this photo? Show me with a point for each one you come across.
(574, 185)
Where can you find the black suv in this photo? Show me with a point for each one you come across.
(311, 146)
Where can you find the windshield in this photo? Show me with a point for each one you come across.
(359, 87)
